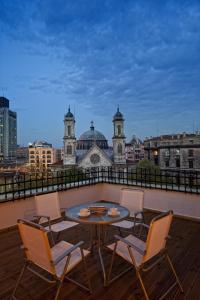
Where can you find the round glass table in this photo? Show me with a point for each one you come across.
(98, 219)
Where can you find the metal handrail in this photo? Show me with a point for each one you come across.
(27, 185)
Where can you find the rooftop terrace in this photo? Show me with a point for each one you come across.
(184, 247)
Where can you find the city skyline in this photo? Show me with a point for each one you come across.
(143, 56)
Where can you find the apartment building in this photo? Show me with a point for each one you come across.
(176, 151)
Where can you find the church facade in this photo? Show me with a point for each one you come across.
(91, 150)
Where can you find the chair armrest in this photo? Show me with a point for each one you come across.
(145, 225)
(67, 252)
(128, 243)
(42, 216)
(62, 212)
(134, 214)
(169, 237)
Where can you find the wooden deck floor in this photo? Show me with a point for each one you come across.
(184, 249)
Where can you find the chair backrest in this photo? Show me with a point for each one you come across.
(48, 205)
(132, 199)
(36, 245)
(157, 235)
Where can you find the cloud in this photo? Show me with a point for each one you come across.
(143, 55)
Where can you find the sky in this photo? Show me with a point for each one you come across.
(95, 55)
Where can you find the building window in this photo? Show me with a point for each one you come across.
(69, 149)
(191, 152)
(177, 151)
(191, 165)
(119, 131)
(167, 153)
(69, 130)
(155, 152)
(167, 163)
(178, 163)
(119, 149)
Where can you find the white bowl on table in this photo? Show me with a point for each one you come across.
(113, 212)
(84, 212)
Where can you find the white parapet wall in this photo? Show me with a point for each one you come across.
(11, 211)
(182, 204)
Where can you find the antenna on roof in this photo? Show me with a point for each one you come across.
(193, 127)
(3, 90)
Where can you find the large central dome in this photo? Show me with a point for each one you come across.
(91, 137)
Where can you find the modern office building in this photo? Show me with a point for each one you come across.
(8, 131)
(176, 151)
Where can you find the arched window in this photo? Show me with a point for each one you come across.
(69, 130)
(119, 148)
(69, 149)
(119, 130)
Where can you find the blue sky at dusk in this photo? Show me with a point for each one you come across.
(94, 55)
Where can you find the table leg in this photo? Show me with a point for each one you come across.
(99, 242)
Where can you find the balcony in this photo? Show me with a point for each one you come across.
(184, 247)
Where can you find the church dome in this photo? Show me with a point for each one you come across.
(91, 137)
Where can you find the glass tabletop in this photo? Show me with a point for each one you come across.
(101, 217)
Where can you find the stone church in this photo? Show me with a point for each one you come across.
(92, 149)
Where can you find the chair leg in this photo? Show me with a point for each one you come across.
(111, 264)
(105, 230)
(58, 289)
(142, 284)
(58, 236)
(174, 272)
(120, 232)
(86, 271)
(18, 280)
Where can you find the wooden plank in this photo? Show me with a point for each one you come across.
(184, 249)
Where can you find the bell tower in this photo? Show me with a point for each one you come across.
(69, 140)
(119, 138)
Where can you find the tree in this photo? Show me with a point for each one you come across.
(148, 165)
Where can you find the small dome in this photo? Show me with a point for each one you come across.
(118, 115)
(135, 140)
(69, 114)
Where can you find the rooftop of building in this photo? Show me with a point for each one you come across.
(177, 136)
(40, 144)
(4, 102)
